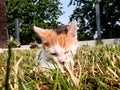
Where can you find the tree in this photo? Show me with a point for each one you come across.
(84, 13)
(110, 18)
(3, 29)
(42, 13)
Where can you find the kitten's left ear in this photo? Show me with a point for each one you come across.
(39, 31)
(72, 29)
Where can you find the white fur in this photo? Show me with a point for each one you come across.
(43, 59)
(43, 56)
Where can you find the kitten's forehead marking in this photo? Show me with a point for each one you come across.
(59, 43)
(54, 39)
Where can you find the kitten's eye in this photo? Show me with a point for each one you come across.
(54, 54)
(66, 52)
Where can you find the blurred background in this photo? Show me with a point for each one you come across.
(97, 19)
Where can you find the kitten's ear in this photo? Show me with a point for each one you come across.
(39, 31)
(72, 29)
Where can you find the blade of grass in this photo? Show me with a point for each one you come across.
(16, 73)
(111, 71)
(21, 85)
(74, 78)
(64, 82)
(56, 80)
(8, 65)
(102, 84)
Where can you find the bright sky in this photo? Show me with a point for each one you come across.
(68, 11)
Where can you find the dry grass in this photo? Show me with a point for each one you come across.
(96, 68)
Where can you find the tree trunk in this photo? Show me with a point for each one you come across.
(3, 28)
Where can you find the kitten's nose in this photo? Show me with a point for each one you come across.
(61, 61)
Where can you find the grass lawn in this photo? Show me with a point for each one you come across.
(97, 68)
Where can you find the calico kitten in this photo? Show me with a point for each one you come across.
(58, 46)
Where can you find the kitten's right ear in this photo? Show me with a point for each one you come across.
(39, 31)
(72, 29)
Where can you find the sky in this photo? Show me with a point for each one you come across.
(67, 12)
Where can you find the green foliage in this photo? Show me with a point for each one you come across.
(84, 13)
(42, 13)
(100, 70)
(110, 18)
(34, 45)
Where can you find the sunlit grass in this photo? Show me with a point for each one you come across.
(97, 68)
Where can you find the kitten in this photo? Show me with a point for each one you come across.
(58, 46)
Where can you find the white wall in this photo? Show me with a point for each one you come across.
(104, 41)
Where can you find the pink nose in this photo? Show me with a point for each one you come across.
(61, 61)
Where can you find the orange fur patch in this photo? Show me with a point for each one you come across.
(52, 38)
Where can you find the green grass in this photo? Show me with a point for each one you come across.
(99, 69)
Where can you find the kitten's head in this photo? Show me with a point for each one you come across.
(61, 43)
